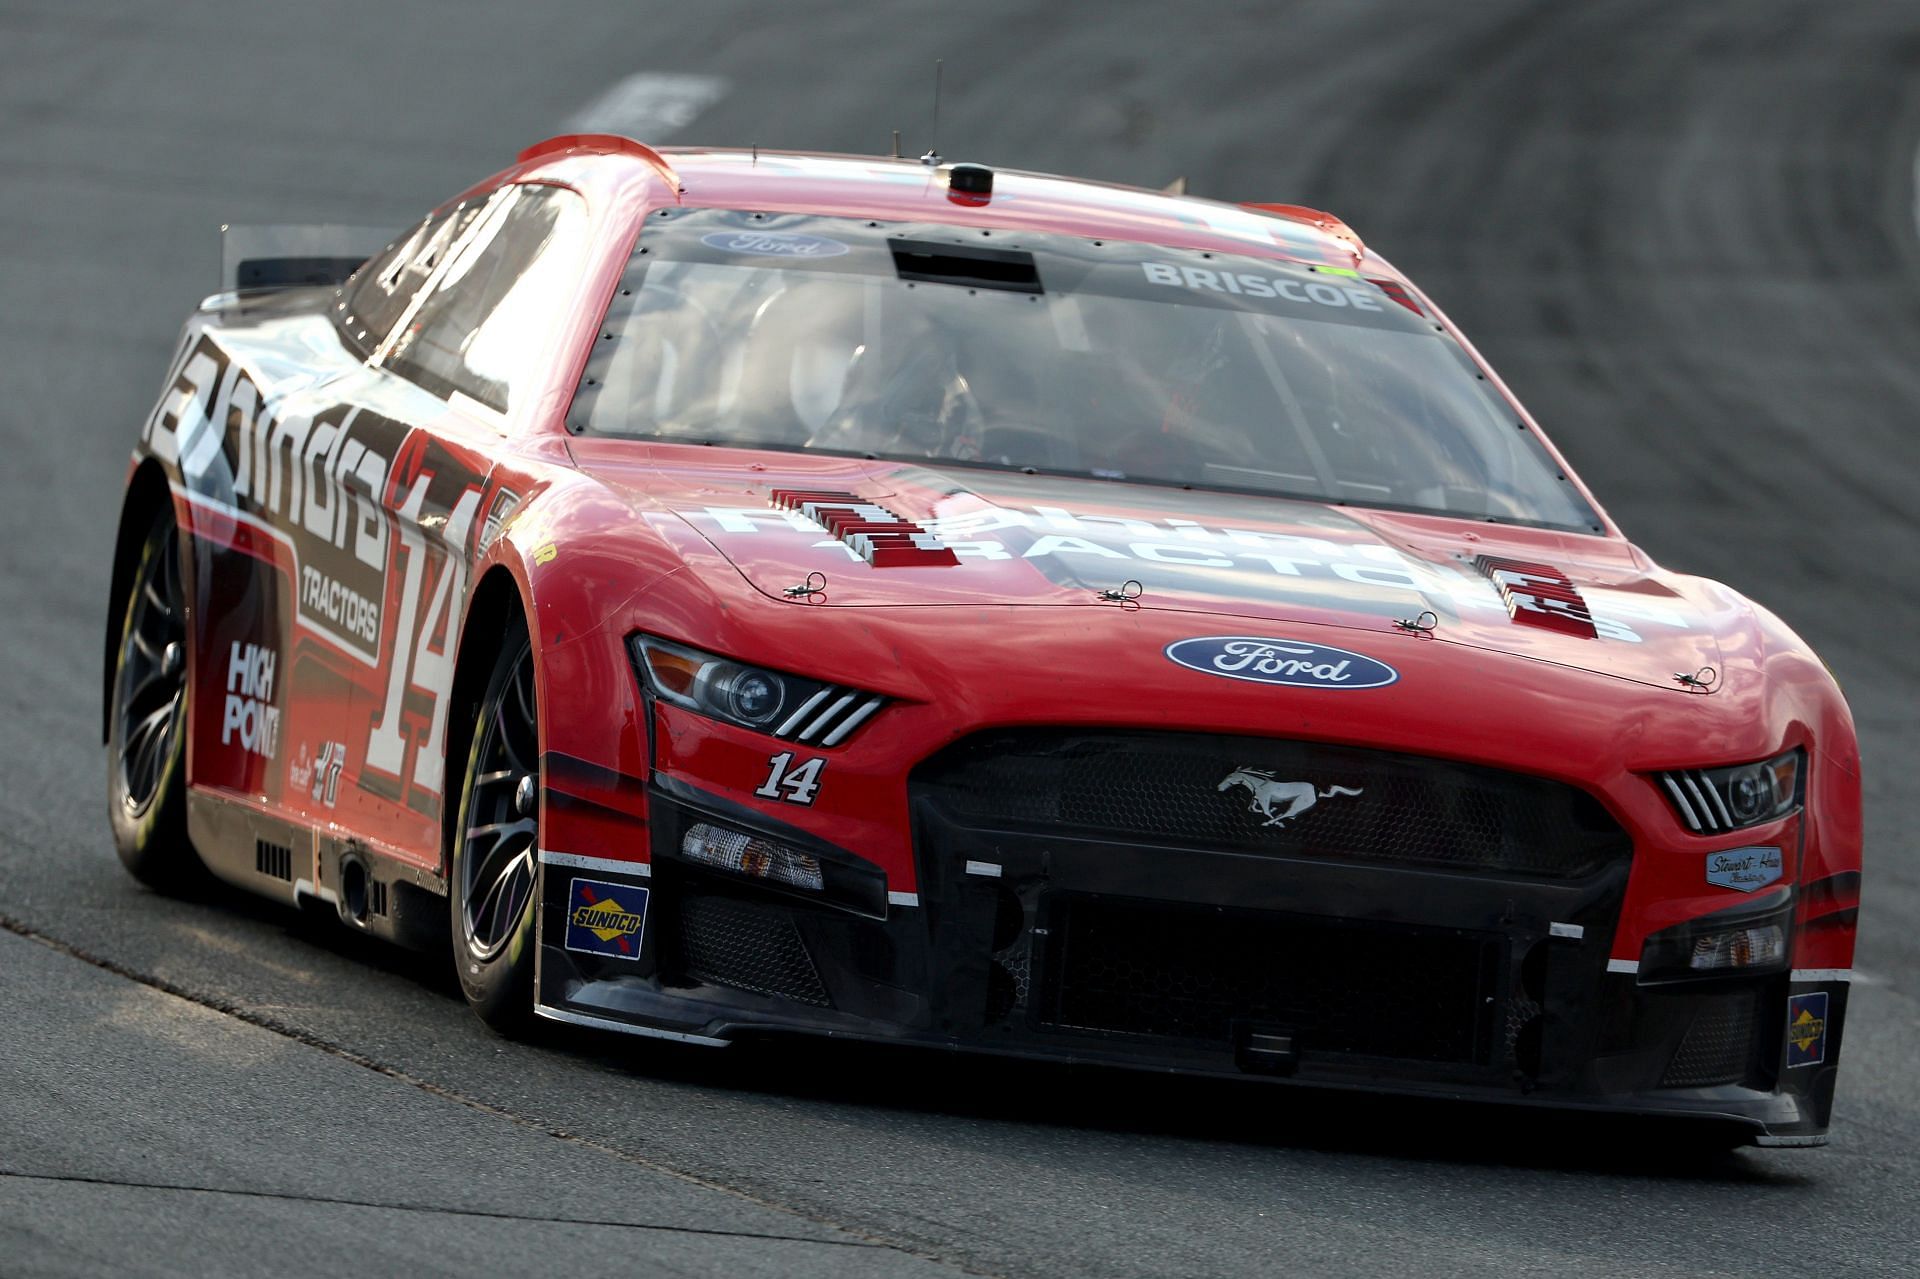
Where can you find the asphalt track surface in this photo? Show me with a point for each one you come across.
(1685, 234)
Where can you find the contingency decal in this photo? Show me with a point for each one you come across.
(1292, 663)
(250, 716)
(1744, 869)
(1279, 802)
(1807, 1029)
(499, 510)
(1398, 292)
(318, 776)
(605, 918)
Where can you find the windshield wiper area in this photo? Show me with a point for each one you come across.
(928, 263)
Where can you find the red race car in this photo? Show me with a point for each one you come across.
(739, 593)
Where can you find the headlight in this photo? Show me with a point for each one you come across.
(765, 701)
(1712, 800)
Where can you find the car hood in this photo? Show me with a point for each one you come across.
(793, 526)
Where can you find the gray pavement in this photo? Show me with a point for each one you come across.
(149, 1134)
(1684, 233)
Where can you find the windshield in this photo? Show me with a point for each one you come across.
(1057, 355)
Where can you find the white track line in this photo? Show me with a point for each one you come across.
(649, 105)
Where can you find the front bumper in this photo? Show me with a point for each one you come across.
(1082, 947)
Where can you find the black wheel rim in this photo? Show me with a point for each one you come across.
(153, 675)
(497, 847)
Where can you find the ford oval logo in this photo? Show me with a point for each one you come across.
(1265, 660)
(774, 244)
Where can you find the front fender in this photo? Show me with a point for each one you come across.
(579, 558)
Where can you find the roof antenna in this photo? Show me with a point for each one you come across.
(756, 155)
(933, 152)
(896, 144)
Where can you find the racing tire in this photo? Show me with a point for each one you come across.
(147, 723)
(493, 880)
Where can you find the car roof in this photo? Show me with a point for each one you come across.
(896, 189)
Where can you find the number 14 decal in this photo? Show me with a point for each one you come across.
(416, 663)
(799, 784)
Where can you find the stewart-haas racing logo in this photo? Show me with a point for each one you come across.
(315, 482)
(1744, 869)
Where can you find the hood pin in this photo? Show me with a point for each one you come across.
(1126, 593)
(1422, 623)
(816, 584)
(1701, 680)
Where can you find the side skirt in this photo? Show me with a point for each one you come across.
(372, 891)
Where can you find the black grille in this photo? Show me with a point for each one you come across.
(747, 946)
(1146, 969)
(1010, 979)
(1264, 795)
(1717, 1046)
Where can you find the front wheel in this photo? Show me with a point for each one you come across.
(147, 726)
(494, 879)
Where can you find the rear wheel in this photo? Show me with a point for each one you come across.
(146, 732)
(494, 880)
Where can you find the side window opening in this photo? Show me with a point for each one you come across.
(485, 327)
(374, 298)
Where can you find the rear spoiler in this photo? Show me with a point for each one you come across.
(290, 257)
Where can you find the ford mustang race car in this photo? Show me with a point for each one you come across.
(737, 593)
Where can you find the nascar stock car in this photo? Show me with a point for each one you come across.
(742, 592)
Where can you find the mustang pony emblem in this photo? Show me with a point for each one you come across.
(1279, 801)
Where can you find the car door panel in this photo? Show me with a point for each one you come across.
(398, 722)
(480, 324)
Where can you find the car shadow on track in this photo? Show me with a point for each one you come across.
(318, 924)
(1249, 1113)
